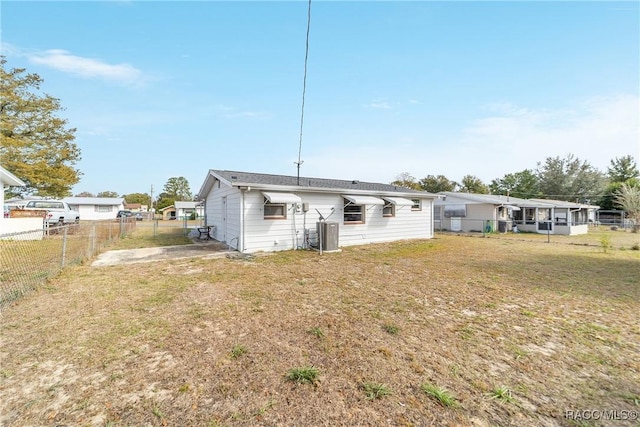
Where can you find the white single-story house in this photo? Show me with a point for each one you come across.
(182, 210)
(96, 208)
(488, 212)
(254, 212)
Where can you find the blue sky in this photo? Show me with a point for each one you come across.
(167, 89)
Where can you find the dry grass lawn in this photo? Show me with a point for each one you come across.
(511, 332)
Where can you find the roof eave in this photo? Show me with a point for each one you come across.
(298, 189)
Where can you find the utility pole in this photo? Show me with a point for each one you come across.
(151, 204)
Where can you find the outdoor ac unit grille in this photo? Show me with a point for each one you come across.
(328, 235)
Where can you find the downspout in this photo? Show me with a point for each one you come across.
(295, 231)
(241, 239)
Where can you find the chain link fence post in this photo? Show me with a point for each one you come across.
(64, 246)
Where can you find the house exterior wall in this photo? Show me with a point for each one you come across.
(477, 215)
(246, 228)
(181, 213)
(97, 212)
(220, 198)
(406, 224)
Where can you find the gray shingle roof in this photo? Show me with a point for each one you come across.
(247, 178)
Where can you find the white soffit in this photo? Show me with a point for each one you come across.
(399, 201)
(281, 197)
(364, 200)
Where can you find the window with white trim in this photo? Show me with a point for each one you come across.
(103, 208)
(353, 214)
(417, 205)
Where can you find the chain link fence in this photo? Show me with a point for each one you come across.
(29, 258)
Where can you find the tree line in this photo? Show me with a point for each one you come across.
(561, 178)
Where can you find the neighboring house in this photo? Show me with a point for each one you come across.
(135, 207)
(168, 212)
(96, 208)
(254, 212)
(183, 210)
(7, 179)
(189, 209)
(475, 212)
(138, 209)
(559, 216)
(486, 212)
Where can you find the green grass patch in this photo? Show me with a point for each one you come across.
(317, 332)
(440, 395)
(238, 350)
(303, 375)
(503, 394)
(391, 329)
(375, 391)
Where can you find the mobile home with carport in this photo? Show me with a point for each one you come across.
(255, 212)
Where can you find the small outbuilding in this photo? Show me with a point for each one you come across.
(254, 212)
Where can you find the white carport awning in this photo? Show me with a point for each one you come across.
(364, 200)
(399, 201)
(513, 208)
(281, 197)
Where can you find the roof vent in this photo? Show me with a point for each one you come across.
(355, 181)
(234, 177)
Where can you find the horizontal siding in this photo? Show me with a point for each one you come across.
(229, 232)
(272, 234)
(282, 234)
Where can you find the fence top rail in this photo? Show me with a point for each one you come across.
(21, 233)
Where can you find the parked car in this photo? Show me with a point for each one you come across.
(124, 214)
(139, 216)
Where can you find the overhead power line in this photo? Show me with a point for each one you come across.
(304, 91)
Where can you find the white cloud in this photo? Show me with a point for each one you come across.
(380, 104)
(512, 138)
(596, 130)
(229, 112)
(64, 61)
